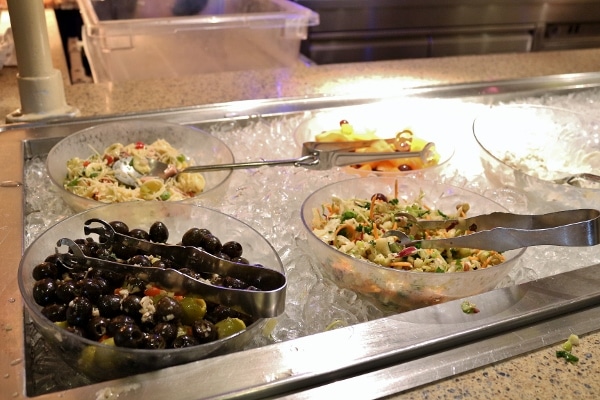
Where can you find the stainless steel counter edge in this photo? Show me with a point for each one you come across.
(495, 91)
(291, 366)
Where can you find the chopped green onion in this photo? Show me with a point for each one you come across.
(567, 356)
(348, 215)
(469, 308)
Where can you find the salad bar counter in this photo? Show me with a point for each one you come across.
(332, 337)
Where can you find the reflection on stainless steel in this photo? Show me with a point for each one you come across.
(436, 341)
(382, 29)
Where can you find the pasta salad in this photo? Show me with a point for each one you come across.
(94, 177)
(357, 226)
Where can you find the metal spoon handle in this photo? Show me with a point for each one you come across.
(304, 161)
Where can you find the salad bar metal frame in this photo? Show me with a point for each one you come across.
(373, 359)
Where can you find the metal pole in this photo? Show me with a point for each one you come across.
(40, 85)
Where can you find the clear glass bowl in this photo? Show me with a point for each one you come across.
(399, 290)
(526, 147)
(102, 362)
(196, 144)
(384, 123)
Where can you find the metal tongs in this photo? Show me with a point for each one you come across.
(326, 155)
(501, 231)
(268, 301)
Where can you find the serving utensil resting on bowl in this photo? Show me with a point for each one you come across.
(506, 231)
(315, 155)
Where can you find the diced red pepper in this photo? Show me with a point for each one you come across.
(109, 159)
(152, 291)
(139, 145)
(86, 163)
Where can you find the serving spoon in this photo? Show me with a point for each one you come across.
(583, 180)
(315, 155)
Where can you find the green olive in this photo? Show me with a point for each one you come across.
(194, 309)
(229, 326)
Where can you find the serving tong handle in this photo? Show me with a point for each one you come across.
(326, 155)
(339, 154)
(506, 231)
(267, 301)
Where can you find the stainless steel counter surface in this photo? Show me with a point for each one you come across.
(538, 374)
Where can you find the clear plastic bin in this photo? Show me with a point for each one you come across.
(145, 39)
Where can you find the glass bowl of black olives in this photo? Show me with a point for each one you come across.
(110, 324)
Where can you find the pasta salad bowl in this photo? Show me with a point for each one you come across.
(80, 166)
(345, 224)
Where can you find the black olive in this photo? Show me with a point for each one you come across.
(52, 258)
(91, 249)
(120, 227)
(129, 336)
(103, 253)
(131, 306)
(119, 321)
(159, 232)
(139, 234)
(220, 312)
(379, 197)
(212, 244)
(154, 341)
(113, 278)
(67, 291)
(140, 260)
(185, 341)
(233, 283)
(122, 251)
(45, 270)
(90, 288)
(44, 291)
(166, 330)
(192, 237)
(97, 327)
(168, 310)
(79, 311)
(109, 305)
(55, 312)
(135, 285)
(232, 249)
(204, 331)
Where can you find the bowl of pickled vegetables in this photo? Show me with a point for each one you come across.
(541, 151)
(113, 323)
(82, 166)
(346, 222)
(363, 123)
